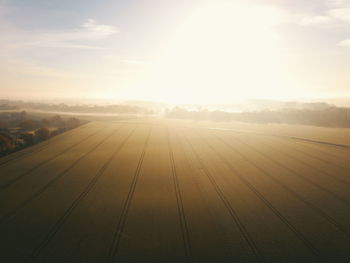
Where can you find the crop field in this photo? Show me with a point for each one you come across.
(144, 190)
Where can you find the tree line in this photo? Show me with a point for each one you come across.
(19, 131)
(328, 117)
(62, 107)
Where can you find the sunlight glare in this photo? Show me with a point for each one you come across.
(224, 52)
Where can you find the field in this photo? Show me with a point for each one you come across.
(144, 190)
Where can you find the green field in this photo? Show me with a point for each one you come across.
(143, 190)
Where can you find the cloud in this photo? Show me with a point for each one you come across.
(20, 49)
(315, 20)
(344, 43)
(342, 14)
(99, 29)
(135, 61)
(79, 37)
(338, 13)
(336, 3)
(76, 38)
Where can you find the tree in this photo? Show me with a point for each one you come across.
(5, 143)
(46, 122)
(72, 122)
(27, 124)
(42, 134)
(57, 121)
(27, 137)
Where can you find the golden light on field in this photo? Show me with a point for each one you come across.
(223, 52)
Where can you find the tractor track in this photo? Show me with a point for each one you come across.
(58, 225)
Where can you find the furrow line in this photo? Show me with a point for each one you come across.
(125, 211)
(36, 253)
(323, 160)
(233, 213)
(54, 180)
(319, 211)
(321, 148)
(280, 136)
(311, 166)
(39, 148)
(179, 203)
(340, 198)
(11, 182)
(298, 234)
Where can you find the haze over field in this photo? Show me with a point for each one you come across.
(195, 51)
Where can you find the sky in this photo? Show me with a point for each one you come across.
(178, 51)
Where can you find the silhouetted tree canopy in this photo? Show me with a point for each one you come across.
(42, 134)
(5, 143)
(20, 129)
(27, 137)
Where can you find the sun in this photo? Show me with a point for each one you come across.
(222, 53)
